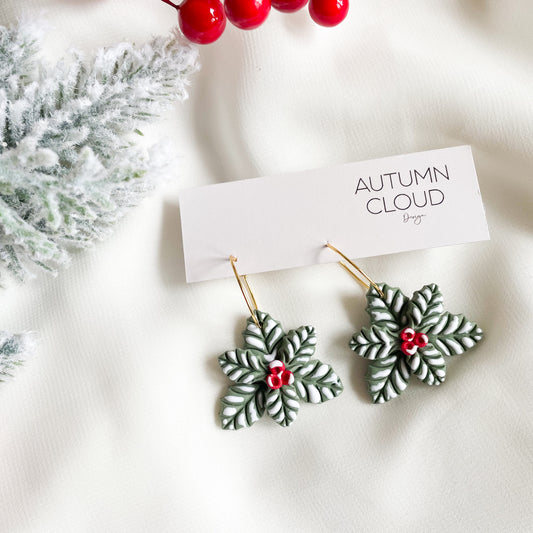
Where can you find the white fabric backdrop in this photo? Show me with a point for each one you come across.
(113, 428)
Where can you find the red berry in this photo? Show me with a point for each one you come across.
(276, 367)
(247, 14)
(287, 378)
(409, 348)
(408, 334)
(421, 339)
(273, 381)
(288, 6)
(202, 21)
(328, 12)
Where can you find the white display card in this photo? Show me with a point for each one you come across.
(375, 207)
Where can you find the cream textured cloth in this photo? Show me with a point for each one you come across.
(113, 426)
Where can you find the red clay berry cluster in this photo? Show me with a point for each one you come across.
(279, 375)
(412, 341)
(204, 21)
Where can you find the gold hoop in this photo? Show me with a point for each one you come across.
(247, 293)
(369, 282)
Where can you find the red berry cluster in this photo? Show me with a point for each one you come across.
(412, 341)
(203, 21)
(279, 375)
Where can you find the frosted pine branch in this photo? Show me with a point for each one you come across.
(68, 164)
(19, 46)
(14, 349)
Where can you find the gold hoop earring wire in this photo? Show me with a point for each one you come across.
(366, 282)
(247, 293)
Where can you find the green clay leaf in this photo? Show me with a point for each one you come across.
(374, 343)
(425, 307)
(316, 382)
(428, 365)
(298, 345)
(264, 339)
(243, 366)
(242, 406)
(386, 312)
(454, 334)
(282, 404)
(387, 378)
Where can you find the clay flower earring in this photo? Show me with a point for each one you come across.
(274, 371)
(407, 336)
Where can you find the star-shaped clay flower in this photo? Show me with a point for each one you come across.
(273, 373)
(409, 336)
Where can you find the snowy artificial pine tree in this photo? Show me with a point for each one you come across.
(68, 165)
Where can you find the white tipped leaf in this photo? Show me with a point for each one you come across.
(386, 311)
(374, 343)
(454, 334)
(264, 338)
(298, 345)
(316, 382)
(282, 405)
(243, 366)
(242, 406)
(387, 378)
(425, 307)
(428, 365)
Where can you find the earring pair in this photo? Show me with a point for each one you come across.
(275, 371)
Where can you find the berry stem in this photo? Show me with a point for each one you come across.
(175, 6)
